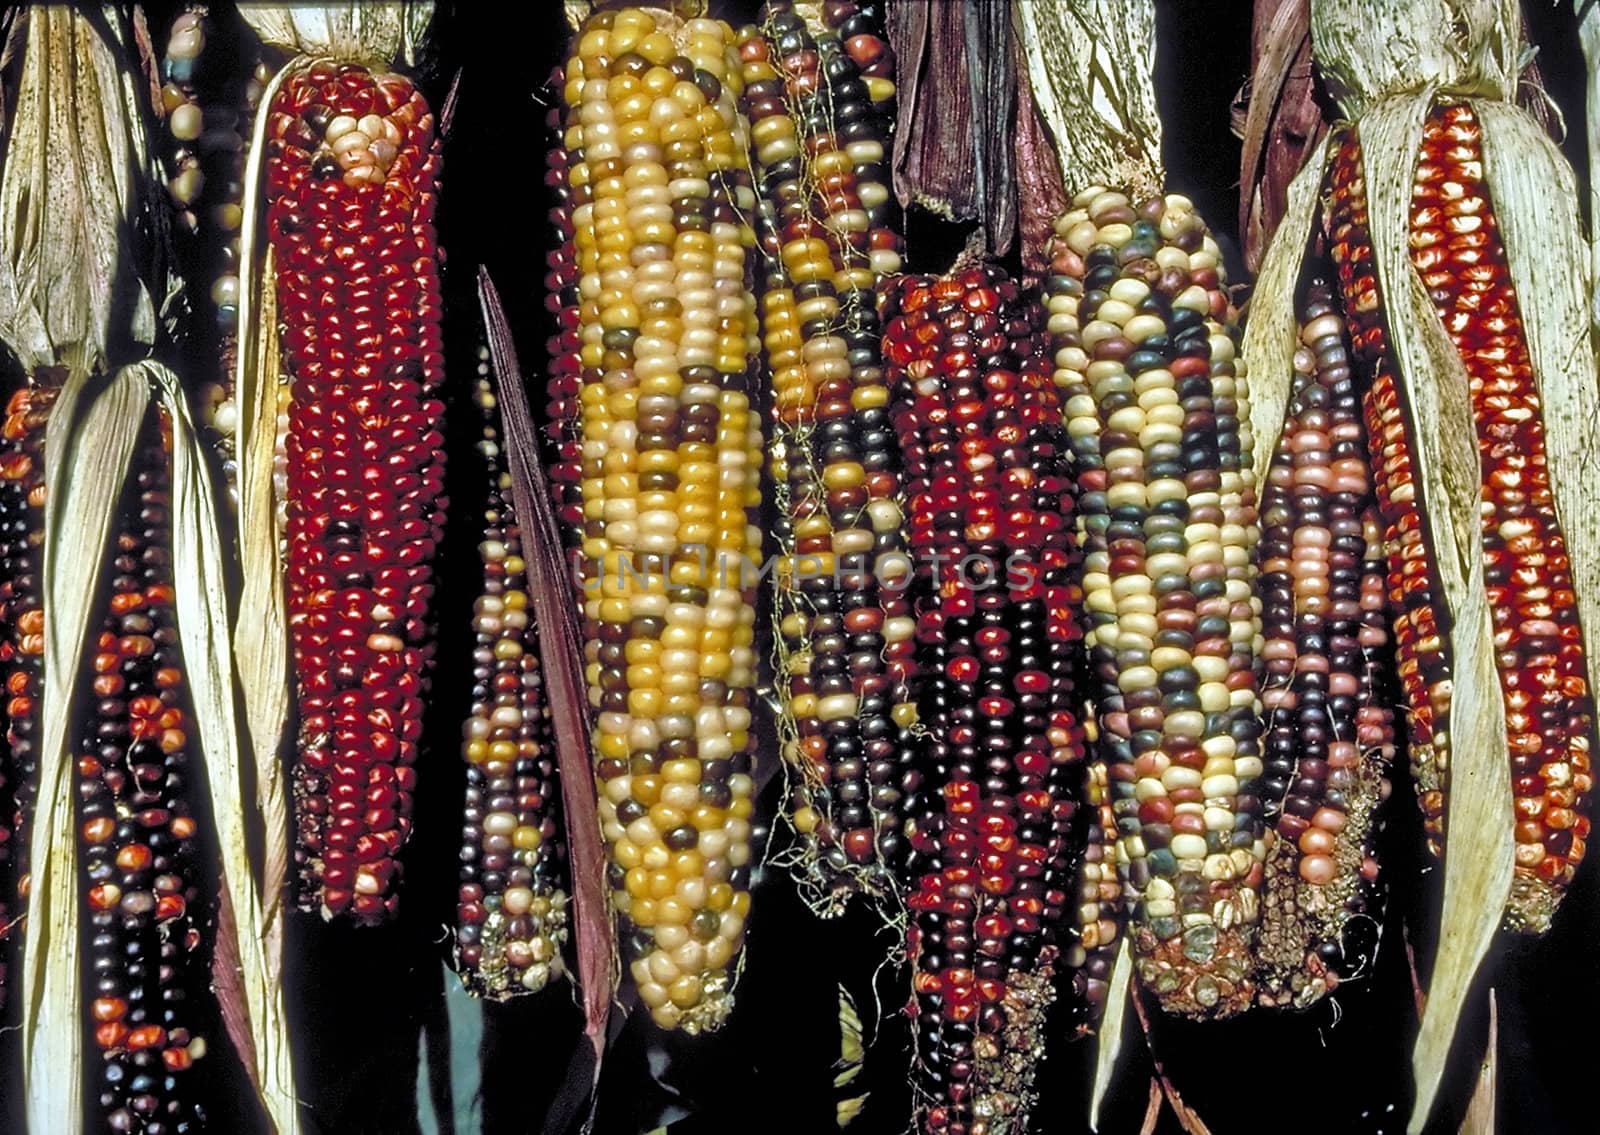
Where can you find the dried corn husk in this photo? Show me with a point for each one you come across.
(380, 33)
(1277, 117)
(1589, 37)
(1387, 60)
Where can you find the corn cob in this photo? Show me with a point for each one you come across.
(1100, 914)
(137, 837)
(990, 499)
(1329, 737)
(1157, 413)
(845, 638)
(208, 116)
(1457, 251)
(671, 472)
(22, 646)
(511, 910)
(353, 165)
(562, 346)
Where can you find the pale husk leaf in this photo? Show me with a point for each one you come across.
(202, 606)
(261, 629)
(89, 446)
(1272, 329)
(1108, 1045)
(376, 33)
(1535, 196)
(71, 197)
(1368, 49)
(1479, 1119)
(1589, 37)
(1092, 66)
(1478, 862)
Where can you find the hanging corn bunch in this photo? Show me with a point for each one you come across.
(1458, 294)
(512, 901)
(116, 659)
(990, 501)
(845, 638)
(1158, 413)
(350, 180)
(671, 457)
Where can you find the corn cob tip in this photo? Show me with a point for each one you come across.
(1531, 906)
(1203, 972)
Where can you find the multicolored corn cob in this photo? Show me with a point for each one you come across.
(1329, 734)
(22, 641)
(512, 902)
(1457, 251)
(1101, 911)
(208, 116)
(352, 172)
(990, 510)
(138, 848)
(1157, 412)
(845, 639)
(672, 452)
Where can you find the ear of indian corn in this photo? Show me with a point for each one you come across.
(990, 500)
(351, 190)
(1157, 411)
(1101, 912)
(139, 854)
(22, 646)
(512, 901)
(208, 112)
(671, 452)
(1329, 735)
(845, 637)
(1457, 251)
(564, 428)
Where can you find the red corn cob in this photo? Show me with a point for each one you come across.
(991, 497)
(22, 643)
(139, 863)
(353, 166)
(1457, 252)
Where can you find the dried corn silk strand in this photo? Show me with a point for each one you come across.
(671, 459)
(512, 899)
(845, 636)
(990, 500)
(1157, 412)
(1329, 736)
(139, 854)
(353, 165)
